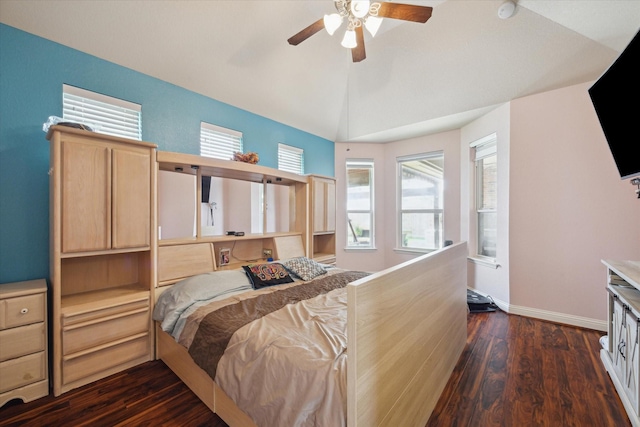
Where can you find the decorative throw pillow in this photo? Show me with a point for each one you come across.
(304, 268)
(262, 275)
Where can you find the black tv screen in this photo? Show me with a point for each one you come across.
(616, 99)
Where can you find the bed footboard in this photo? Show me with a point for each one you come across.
(177, 358)
(407, 327)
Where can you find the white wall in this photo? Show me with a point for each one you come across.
(562, 206)
(384, 157)
(364, 260)
(449, 143)
(568, 207)
(487, 279)
(176, 205)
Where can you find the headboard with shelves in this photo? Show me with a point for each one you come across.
(291, 192)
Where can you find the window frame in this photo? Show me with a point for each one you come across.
(104, 114)
(437, 212)
(217, 142)
(361, 164)
(484, 148)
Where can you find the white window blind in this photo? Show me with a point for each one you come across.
(485, 147)
(290, 159)
(104, 114)
(219, 142)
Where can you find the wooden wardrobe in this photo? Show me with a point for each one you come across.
(103, 243)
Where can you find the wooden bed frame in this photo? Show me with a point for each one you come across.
(406, 328)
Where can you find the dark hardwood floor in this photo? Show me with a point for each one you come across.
(514, 371)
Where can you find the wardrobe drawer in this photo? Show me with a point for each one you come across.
(82, 365)
(96, 312)
(22, 371)
(16, 342)
(85, 335)
(24, 310)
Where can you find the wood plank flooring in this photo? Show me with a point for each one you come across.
(514, 371)
(518, 371)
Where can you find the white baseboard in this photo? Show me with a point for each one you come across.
(582, 322)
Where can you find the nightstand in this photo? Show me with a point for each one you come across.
(24, 372)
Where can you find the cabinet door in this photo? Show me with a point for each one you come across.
(630, 382)
(324, 206)
(86, 193)
(330, 212)
(131, 197)
(619, 339)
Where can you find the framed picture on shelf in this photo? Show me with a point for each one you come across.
(225, 256)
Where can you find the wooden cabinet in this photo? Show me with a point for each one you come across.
(102, 254)
(23, 341)
(106, 191)
(323, 218)
(621, 356)
(323, 209)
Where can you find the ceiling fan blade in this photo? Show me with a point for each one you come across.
(358, 53)
(405, 12)
(307, 32)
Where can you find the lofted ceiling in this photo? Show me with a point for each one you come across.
(416, 79)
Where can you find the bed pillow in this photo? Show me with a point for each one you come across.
(202, 287)
(261, 275)
(304, 268)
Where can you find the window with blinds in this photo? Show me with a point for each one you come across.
(219, 142)
(290, 159)
(102, 113)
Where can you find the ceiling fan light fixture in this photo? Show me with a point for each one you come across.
(349, 40)
(372, 24)
(506, 9)
(360, 8)
(332, 23)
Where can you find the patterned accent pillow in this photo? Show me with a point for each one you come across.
(304, 268)
(261, 275)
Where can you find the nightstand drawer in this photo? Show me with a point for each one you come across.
(22, 371)
(22, 311)
(85, 335)
(16, 342)
(85, 364)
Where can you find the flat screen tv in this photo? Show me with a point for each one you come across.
(616, 99)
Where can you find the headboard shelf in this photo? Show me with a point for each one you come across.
(223, 239)
(184, 163)
(180, 259)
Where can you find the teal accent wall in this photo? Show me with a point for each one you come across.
(32, 72)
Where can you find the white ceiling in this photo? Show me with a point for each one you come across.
(416, 79)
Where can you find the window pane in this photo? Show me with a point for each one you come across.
(358, 189)
(422, 184)
(487, 233)
(360, 233)
(421, 230)
(421, 190)
(487, 179)
(359, 229)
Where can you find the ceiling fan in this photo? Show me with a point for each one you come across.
(359, 13)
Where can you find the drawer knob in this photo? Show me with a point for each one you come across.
(24, 311)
